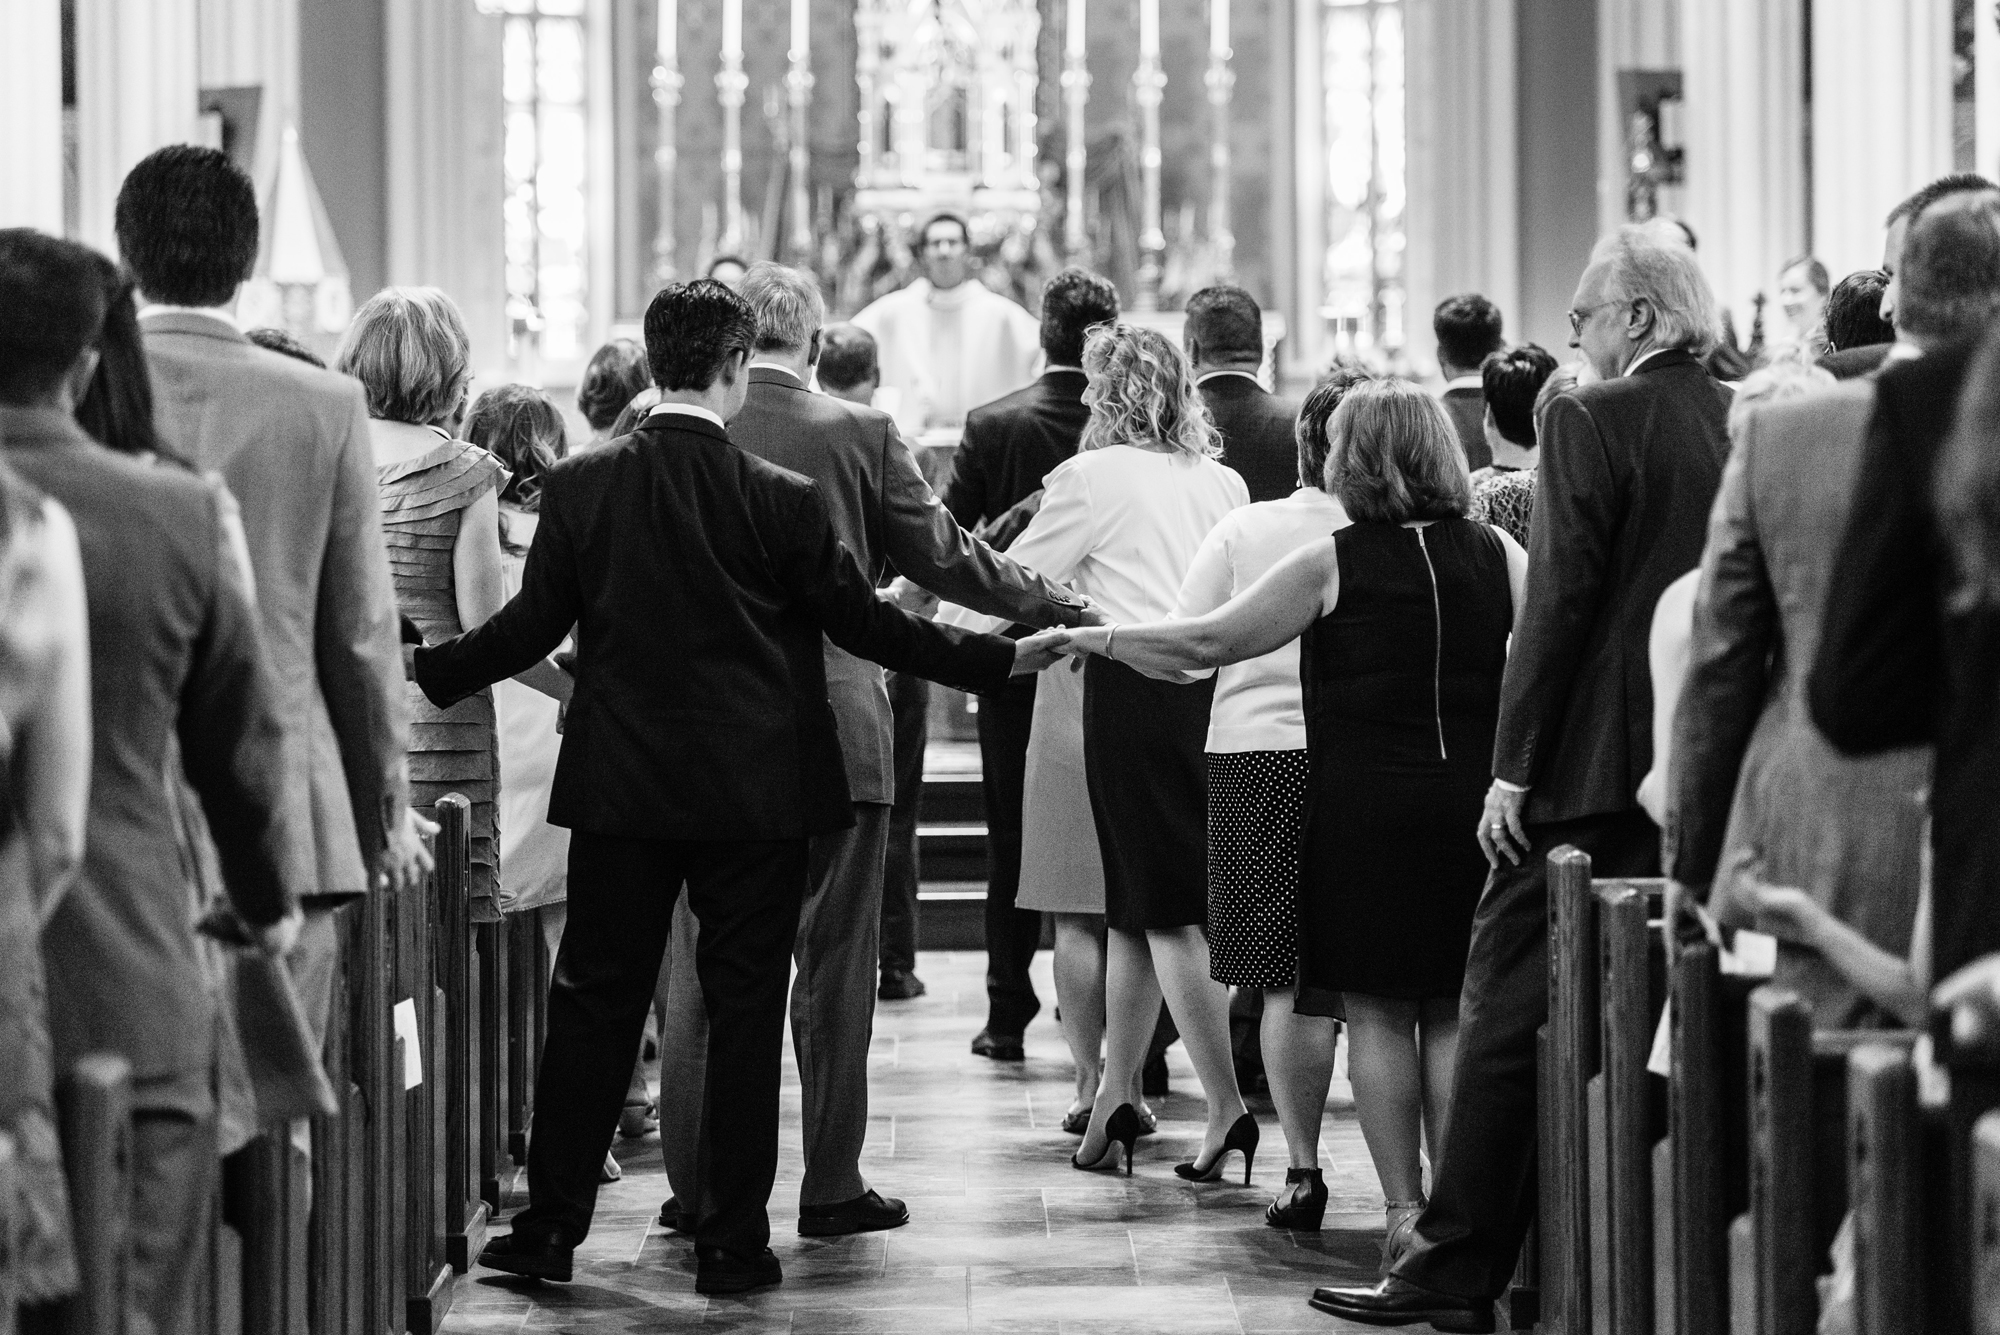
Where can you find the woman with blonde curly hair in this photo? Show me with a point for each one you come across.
(1121, 520)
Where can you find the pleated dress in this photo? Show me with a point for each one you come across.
(453, 750)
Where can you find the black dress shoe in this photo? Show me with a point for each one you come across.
(900, 985)
(999, 1047)
(866, 1213)
(675, 1218)
(535, 1257)
(718, 1271)
(1397, 1302)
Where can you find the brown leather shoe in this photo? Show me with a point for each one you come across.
(1397, 1302)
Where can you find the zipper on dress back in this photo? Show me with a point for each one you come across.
(1437, 642)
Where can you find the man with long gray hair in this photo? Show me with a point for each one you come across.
(1629, 469)
(884, 512)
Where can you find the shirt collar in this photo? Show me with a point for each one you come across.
(1899, 351)
(1465, 382)
(221, 313)
(687, 410)
(1645, 357)
(1207, 376)
(773, 366)
(1063, 370)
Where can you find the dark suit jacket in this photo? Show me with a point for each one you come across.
(1629, 470)
(1848, 363)
(1467, 407)
(700, 579)
(291, 441)
(1256, 430)
(1012, 443)
(886, 514)
(175, 659)
(1892, 670)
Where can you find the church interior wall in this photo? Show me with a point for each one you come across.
(1558, 139)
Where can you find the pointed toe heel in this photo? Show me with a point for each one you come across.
(1121, 1129)
(1300, 1211)
(1242, 1138)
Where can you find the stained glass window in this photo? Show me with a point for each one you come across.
(546, 209)
(1365, 197)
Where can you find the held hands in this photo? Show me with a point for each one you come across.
(1500, 830)
(1039, 650)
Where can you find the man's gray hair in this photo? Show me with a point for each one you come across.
(789, 307)
(1948, 277)
(1667, 276)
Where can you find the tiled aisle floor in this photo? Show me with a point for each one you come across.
(1004, 1235)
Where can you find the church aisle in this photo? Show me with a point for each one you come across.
(1004, 1235)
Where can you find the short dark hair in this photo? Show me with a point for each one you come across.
(1853, 317)
(1511, 379)
(1074, 302)
(1958, 183)
(282, 343)
(53, 293)
(847, 356)
(692, 329)
(1309, 431)
(1396, 456)
(519, 426)
(1949, 277)
(946, 216)
(1225, 322)
(116, 409)
(1467, 328)
(615, 373)
(186, 220)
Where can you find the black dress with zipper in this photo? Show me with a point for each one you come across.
(1402, 695)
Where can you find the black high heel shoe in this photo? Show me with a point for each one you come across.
(1121, 1128)
(1242, 1137)
(1301, 1212)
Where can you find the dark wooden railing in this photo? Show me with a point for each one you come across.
(370, 1236)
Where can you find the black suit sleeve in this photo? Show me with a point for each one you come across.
(822, 574)
(966, 492)
(528, 629)
(1575, 521)
(1877, 669)
(1736, 633)
(232, 746)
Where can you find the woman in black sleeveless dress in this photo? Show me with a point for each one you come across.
(1404, 617)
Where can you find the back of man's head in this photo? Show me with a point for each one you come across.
(1073, 303)
(1511, 379)
(1225, 324)
(1668, 277)
(1958, 183)
(847, 357)
(187, 225)
(692, 329)
(54, 297)
(1468, 330)
(788, 306)
(1949, 279)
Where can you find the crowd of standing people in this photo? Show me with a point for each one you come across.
(1289, 700)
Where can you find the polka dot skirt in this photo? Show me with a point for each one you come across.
(1256, 810)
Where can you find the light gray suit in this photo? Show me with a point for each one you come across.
(1754, 788)
(291, 440)
(885, 513)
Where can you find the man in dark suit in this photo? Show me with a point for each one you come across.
(699, 748)
(1629, 469)
(176, 658)
(1468, 331)
(1224, 337)
(885, 514)
(1882, 676)
(1009, 446)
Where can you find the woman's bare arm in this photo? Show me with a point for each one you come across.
(53, 733)
(479, 583)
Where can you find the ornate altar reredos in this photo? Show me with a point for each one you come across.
(947, 98)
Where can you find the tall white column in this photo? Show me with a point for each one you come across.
(798, 84)
(31, 152)
(667, 83)
(255, 42)
(138, 80)
(1307, 345)
(731, 83)
(1631, 35)
(1076, 103)
(1744, 80)
(1462, 161)
(1149, 84)
(1221, 81)
(1881, 118)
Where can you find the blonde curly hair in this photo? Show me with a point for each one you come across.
(1142, 393)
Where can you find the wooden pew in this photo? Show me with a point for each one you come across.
(1986, 1224)
(10, 1235)
(1631, 986)
(1571, 1059)
(1966, 1040)
(94, 1104)
(1707, 1116)
(1885, 1172)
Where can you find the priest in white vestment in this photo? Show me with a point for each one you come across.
(948, 343)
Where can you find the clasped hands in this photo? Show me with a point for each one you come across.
(1044, 648)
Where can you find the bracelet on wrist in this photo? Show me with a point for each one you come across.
(1109, 636)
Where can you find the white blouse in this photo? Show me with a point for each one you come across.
(1257, 702)
(1120, 524)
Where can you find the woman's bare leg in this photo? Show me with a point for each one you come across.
(1200, 1008)
(1079, 965)
(1382, 1062)
(1131, 1007)
(1298, 1061)
(1438, 1036)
